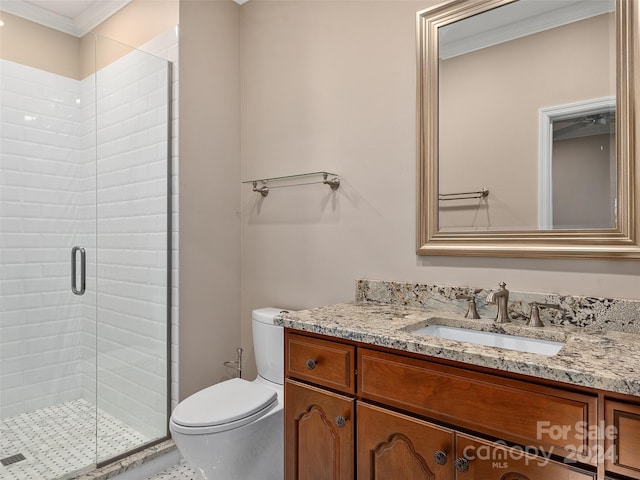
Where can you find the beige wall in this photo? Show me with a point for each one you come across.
(326, 86)
(44, 48)
(331, 85)
(132, 26)
(491, 98)
(140, 21)
(583, 190)
(41, 47)
(320, 85)
(209, 189)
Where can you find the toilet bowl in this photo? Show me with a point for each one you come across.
(234, 430)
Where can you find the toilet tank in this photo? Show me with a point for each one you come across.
(268, 344)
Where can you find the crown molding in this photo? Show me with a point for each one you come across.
(512, 30)
(98, 13)
(79, 26)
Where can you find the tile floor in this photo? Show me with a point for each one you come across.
(61, 439)
(178, 472)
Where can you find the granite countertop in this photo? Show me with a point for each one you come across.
(605, 360)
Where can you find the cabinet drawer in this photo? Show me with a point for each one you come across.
(483, 460)
(323, 362)
(544, 418)
(622, 438)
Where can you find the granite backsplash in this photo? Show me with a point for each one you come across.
(580, 311)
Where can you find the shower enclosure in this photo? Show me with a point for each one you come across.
(84, 261)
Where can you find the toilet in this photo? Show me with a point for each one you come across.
(234, 430)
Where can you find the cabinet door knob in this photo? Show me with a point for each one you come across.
(311, 364)
(440, 457)
(341, 421)
(462, 464)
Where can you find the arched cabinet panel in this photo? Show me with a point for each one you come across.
(319, 434)
(392, 444)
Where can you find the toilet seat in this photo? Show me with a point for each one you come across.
(224, 406)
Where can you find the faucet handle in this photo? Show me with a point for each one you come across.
(472, 311)
(535, 320)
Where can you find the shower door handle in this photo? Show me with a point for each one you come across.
(83, 270)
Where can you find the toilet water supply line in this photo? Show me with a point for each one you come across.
(237, 363)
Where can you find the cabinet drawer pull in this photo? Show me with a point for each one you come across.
(462, 464)
(440, 457)
(311, 364)
(341, 421)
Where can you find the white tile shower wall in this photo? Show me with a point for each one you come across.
(132, 218)
(166, 46)
(42, 189)
(87, 216)
(31, 361)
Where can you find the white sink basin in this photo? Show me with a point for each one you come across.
(491, 339)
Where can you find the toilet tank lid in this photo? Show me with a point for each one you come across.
(266, 315)
(223, 402)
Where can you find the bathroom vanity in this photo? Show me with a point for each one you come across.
(367, 397)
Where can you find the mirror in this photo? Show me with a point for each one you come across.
(526, 133)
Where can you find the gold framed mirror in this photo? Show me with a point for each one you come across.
(495, 198)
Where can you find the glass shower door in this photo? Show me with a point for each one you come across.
(84, 260)
(133, 248)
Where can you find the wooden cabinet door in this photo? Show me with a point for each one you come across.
(477, 459)
(622, 438)
(394, 446)
(319, 434)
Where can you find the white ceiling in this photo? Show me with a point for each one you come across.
(75, 17)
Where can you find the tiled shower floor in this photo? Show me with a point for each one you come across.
(61, 439)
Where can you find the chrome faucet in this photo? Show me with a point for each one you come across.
(500, 297)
